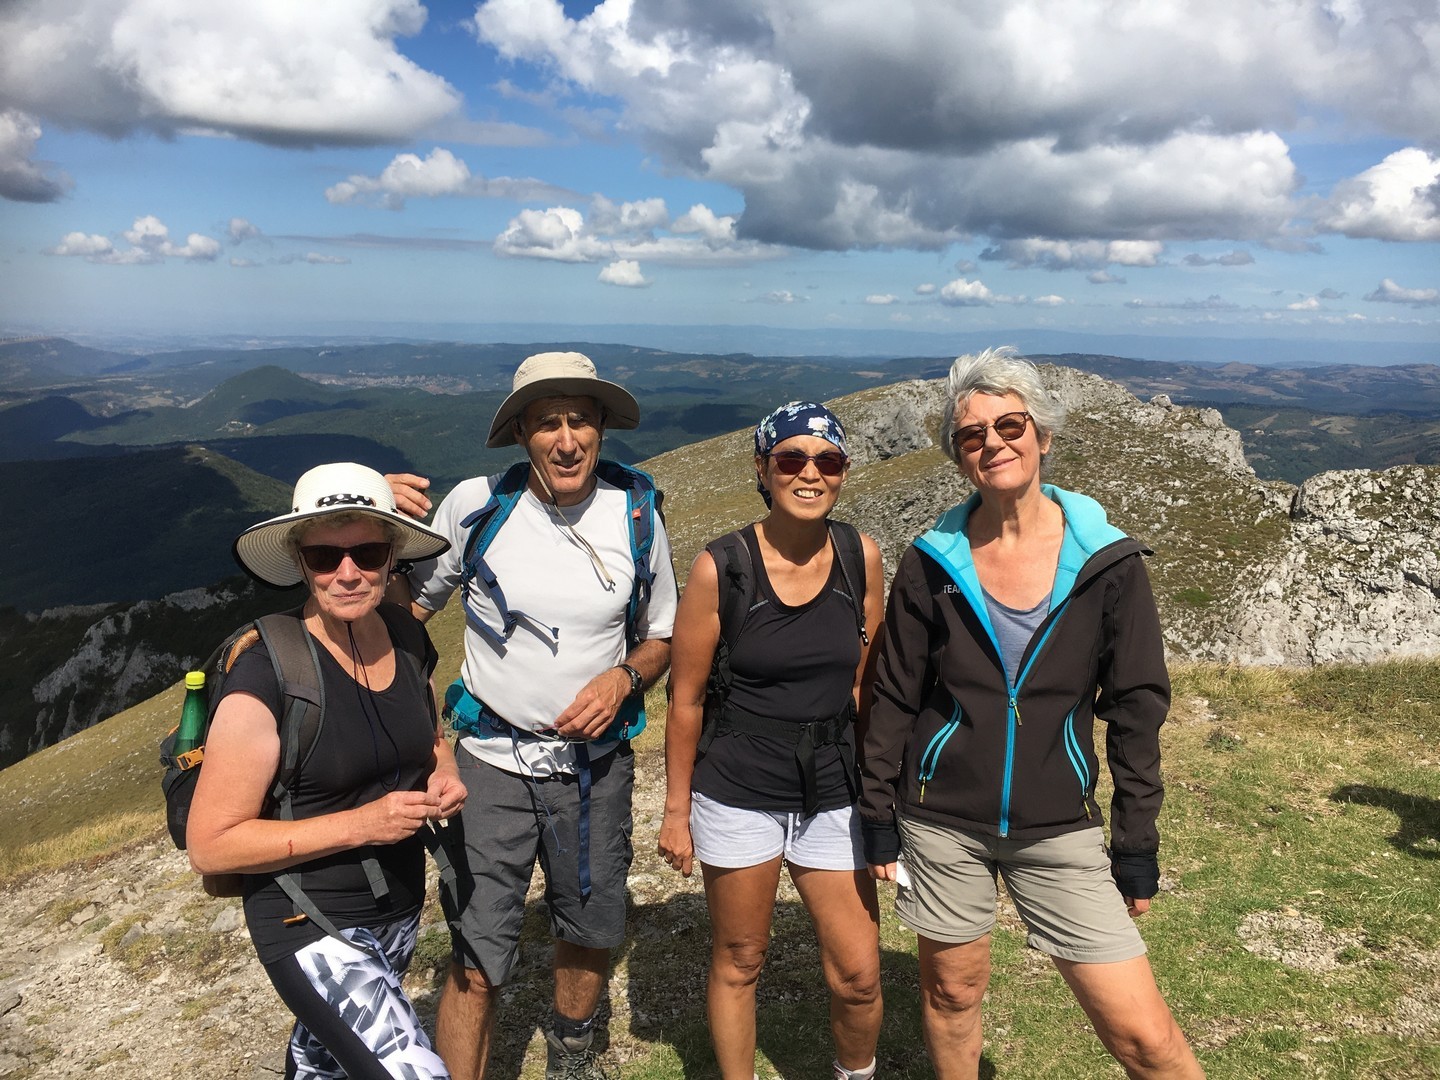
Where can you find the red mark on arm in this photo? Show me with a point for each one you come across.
(292, 848)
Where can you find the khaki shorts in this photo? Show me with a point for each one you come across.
(1061, 887)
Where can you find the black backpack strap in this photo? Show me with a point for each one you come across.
(846, 539)
(735, 580)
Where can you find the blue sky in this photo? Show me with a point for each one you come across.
(1198, 168)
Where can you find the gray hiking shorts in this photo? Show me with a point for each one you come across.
(1061, 887)
(509, 821)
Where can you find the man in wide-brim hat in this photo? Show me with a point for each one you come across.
(561, 641)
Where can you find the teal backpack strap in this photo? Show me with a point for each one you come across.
(476, 573)
(297, 671)
(643, 502)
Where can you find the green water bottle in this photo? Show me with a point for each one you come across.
(192, 715)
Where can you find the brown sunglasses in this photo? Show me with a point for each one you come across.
(1009, 427)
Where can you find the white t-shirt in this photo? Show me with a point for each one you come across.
(531, 678)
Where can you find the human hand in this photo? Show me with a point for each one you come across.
(393, 817)
(884, 871)
(1136, 907)
(450, 793)
(594, 707)
(409, 491)
(676, 846)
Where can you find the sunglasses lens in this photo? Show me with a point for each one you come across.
(370, 556)
(322, 558)
(1010, 428)
(790, 463)
(970, 439)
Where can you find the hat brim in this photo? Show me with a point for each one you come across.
(621, 409)
(263, 550)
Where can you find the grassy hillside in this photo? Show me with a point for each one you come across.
(1296, 934)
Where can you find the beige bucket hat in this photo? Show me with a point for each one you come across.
(561, 374)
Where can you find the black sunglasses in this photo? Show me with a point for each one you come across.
(326, 558)
(792, 462)
(1009, 427)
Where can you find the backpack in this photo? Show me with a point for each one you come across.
(297, 672)
(735, 576)
(642, 498)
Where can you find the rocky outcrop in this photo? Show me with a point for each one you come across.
(115, 656)
(1359, 577)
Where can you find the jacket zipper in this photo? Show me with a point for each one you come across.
(931, 757)
(1077, 760)
(1012, 717)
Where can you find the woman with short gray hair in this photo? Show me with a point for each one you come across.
(1022, 601)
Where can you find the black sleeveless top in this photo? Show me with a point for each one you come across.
(369, 744)
(795, 664)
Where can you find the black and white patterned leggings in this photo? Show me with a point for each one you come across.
(352, 1019)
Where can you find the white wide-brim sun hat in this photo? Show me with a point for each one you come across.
(561, 374)
(264, 551)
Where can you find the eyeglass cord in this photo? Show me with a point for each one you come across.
(360, 675)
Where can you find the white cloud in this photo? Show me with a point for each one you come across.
(22, 179)
(1310, 303)
(925, 289)
(701, 220)
(241, 230)
(779, 296)
(881, 299)
(325, 71)
(963, 293)
(1050, 301)
(1390, 293)
(1077, 254)
(78, 243)
(442, 174)
(628, 231)
(1398, 199)
(625, 273)
(243, 264)
(1104, 277)
(150, 243)
(847, 124)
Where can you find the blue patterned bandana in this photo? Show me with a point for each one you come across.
(796, 418)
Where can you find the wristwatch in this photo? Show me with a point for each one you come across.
(636, 679)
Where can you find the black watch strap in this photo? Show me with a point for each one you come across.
(636, 679)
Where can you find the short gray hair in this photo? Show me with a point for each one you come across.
(344, 517)
(999, 371)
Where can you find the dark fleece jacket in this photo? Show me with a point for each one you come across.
(949, 741)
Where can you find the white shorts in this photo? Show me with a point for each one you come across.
(729, 836)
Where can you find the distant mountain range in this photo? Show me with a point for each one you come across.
(113, 426)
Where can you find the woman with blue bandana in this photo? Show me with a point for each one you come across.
(771, 637)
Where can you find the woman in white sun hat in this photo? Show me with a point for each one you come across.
(379, 771)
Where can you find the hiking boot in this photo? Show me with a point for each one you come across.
(572, 1059)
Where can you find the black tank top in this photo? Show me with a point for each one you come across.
(795, 664)
(369, 744)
